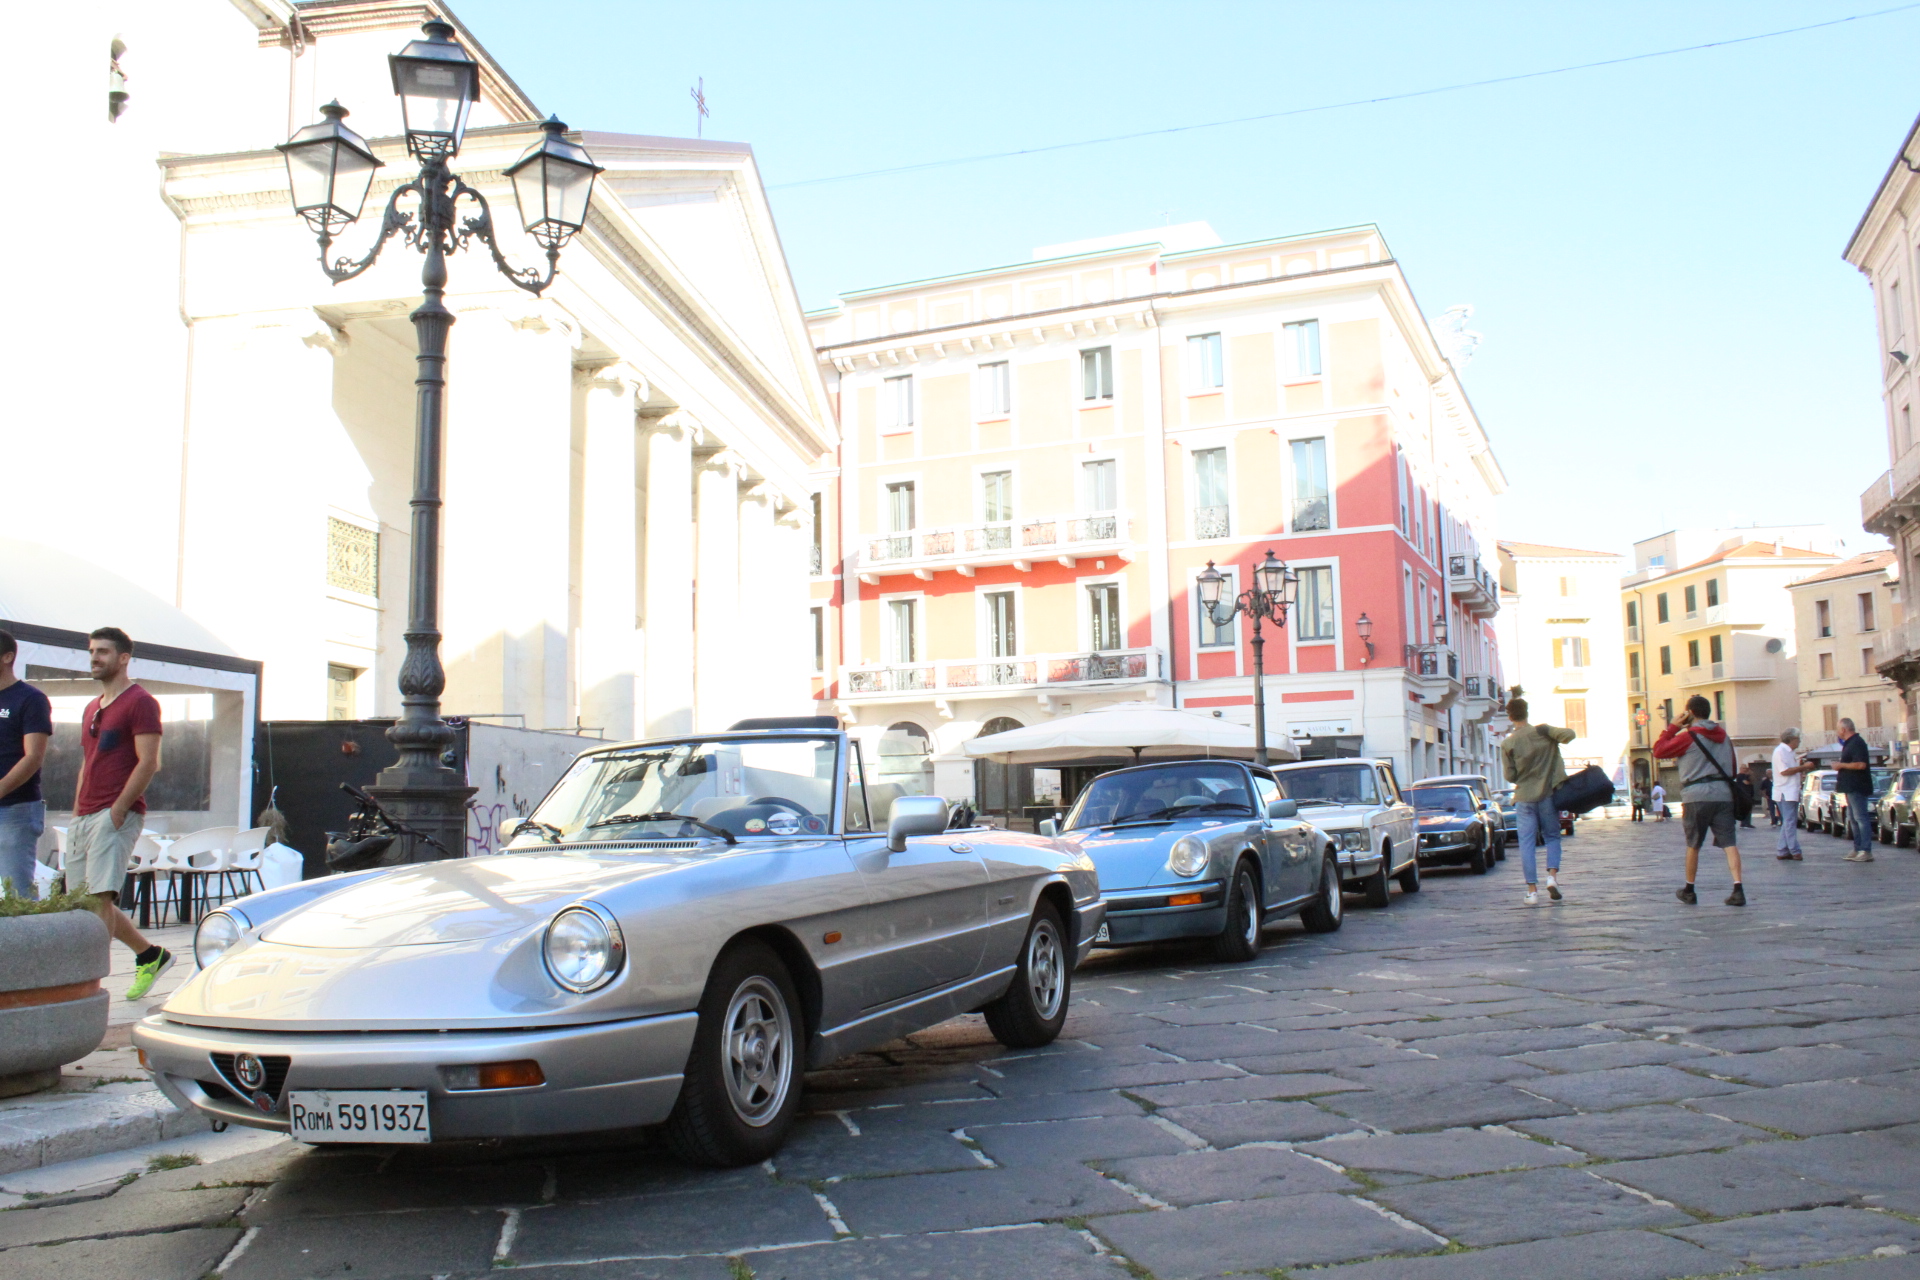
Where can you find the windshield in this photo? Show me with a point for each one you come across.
(763, 787)
(1909, 779)
(1165, 794)
(1442, 799)
(1882, 779)
(1329, 784)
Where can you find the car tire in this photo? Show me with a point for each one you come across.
(742, 1086)
(1477, 861)
(1410, 878)
(1240, 939)
(1497, 846)
(1326, 912)
(1902, 836)
(1373, 890)
(1034, 1008)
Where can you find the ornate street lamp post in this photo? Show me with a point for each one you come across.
(330, 169)
(1274, 586)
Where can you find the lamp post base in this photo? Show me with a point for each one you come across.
(433, 805)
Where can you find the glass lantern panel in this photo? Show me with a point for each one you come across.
(529, 192)
(352, 178)
(568, 187)
(434, 98)
(310, 173)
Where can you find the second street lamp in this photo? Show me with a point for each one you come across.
(1274, 587)
(330, 170)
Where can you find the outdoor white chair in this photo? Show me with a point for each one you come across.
(143, 867)
(241, 859)
(190, 858)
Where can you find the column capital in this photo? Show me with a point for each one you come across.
(677, 423)
(723, 460)
(619, 377)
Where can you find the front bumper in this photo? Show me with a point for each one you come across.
(609, 1075)
(1358, 864)
(1145, 915)
(1446, 846)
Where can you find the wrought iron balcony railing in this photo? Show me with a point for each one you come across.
(1000, 540)
(1212, 522)
(963, 675)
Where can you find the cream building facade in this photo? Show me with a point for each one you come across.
(1843, 617)
(1039, 459)
(1561, 637)
(627, 487)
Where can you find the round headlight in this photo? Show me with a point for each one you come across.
(1188, 857)
(583, 948)
(1359, 840)
(215, 936)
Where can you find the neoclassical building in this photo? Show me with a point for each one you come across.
(627, 493)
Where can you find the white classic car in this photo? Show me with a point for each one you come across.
(1358, 803)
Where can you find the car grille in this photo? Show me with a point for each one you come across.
(276, 1065)
(1437, 841)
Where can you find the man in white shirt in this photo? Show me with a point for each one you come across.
(1659, 803)
(1786, 792)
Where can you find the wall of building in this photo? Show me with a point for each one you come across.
(1837, 662)
(1562, 643)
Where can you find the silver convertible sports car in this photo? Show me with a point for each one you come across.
(679, 930)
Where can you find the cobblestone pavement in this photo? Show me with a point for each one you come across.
(1616, 1087)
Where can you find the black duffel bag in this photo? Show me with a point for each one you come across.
(1584, 791)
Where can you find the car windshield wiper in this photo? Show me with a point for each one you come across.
(1175, 812)
(627, 819)
(547, 829)
(1323, 800)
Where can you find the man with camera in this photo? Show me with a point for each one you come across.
(1706, 760)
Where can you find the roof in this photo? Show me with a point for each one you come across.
(1898, 159)
(1753, 551)
(1542, 549)
(1871, 562)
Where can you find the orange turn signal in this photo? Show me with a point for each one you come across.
(1184, 900)
(522, 1074)
(142, 1053)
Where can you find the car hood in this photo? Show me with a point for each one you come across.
(1338, 817)
(459, 900)
(1444, 821)
(1134, 857)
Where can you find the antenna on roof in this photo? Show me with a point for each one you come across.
(699, 95)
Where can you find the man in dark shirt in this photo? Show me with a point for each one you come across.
(1856, 784)
(26, 726)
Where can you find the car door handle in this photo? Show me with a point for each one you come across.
(961, 848)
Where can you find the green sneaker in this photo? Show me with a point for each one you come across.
(145, 975)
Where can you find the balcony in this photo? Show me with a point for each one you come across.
(1633, 635)
(1723, 673)
(1572, 679)
(1897, 653)
(1636, 684)
(1894, 498)
(960, 677)
(1435, 674)
(1472, 586)
(1212, 522)
(964, 548)
(814, 559)
(1480, 700)
(1716, 615)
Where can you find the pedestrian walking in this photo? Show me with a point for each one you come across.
(1746, 776)
(1787, 769)
(1530, 759)
(1639, 794)
(1706, 761)
(1855, 786)
(26, 726)
(120, 753)
(1659, 803)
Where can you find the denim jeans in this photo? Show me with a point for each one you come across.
(1539, 820)
(1860, 822)
(1789, 826)
(20, 828)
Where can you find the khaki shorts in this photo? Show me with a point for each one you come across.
(97, 854)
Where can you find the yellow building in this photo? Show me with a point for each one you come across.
(1843, 617)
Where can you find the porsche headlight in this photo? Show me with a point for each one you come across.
(583, 948)
(1188, 857)
(216, 935)
(1359, 841)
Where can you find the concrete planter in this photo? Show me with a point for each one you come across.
(52, 1010)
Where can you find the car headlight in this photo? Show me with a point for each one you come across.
(216, 935)
(1356, 840)
(583, 948)
(1188, 857)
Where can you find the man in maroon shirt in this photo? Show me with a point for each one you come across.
(120, 745)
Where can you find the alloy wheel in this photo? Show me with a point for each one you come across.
(758, 1042)
(1046, 969)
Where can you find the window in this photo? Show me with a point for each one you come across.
(353, 557)
(1103, 616)
(1211, 636)
(1660, 607)
(1830, 718)
(1871, 713)
(819, 640)
(996, 496)
(1566, 586)
(1099, 485)
(1713, 592)
(1693, 653)
(1720, 705)
(1693, 601)
(1826, 666)
(903, 626)
(1633, 614)
(1575, 714)
(1905, 436)
(1896, 314)
(1002, 640)
(1311, 508)
(817, 552)
(1096, 374)
(1303, 348)
(1714, 651)
(340, 682)
(896, 403)
(1210, 493)
(1822, 619)
(993, 389)
(1633, 664)
(1205, 372)
(1866, 611)
(1666, 710)
(1313, 605)
(1866, 662)
(1666, 660)
(900, 514)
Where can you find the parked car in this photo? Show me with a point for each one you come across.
(1357, 802)
(1816, 800)
(1488, 799)
(1202, 849)
(1456, 826)
(1509, 816)
(1894, 817)
(679, 929)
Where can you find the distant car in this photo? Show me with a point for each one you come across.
(1816, 800)
(1489, 798)
(1894, 818)
(1456, 826)
(1358, 803)
(1202, 849)
(1509, 815)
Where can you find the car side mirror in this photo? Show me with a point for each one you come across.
(509, 824)
(914, 816)
(1282, 808)
(1049, 827)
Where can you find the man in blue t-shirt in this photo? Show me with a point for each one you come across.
(1856, 784)
(26, 726)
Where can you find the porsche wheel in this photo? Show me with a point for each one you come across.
(742, 1085)
(1240, 939)
(1323, 914)
(1034, 1009)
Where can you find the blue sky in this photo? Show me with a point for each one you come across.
(1652, 250)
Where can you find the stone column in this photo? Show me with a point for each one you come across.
(718, 675)
(766, 576)
(609, 660)
(668, 577)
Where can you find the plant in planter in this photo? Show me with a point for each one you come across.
(53, 954)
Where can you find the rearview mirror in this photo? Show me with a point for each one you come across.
(914, 816)
(1282, 808)
(1049, 827)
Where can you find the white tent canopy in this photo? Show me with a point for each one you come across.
(1147, 731)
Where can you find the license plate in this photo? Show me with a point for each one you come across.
(1105, 934)
(359, 1115)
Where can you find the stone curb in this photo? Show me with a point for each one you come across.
(65, 1127)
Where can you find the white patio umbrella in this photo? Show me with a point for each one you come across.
(1149, 732)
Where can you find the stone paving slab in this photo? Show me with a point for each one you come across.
(371, 1246)
(1448, 1154)
(1228, 1124)
(697, 1268)
(1244, 1173)
(1211, 1240)
(1449, 1107)
(1245, 1089)
(1617, 1053)
(713, 1222)
(1629, 1087)
(137, 1215)
(1602, 1255)
(169, 1255)
(1830, 1106)
(1502, 1208)
(1433, 1073)
(1725, 1183)
(983, 1198)
(1895, 1267)
(1104, 1138)
(1811, 1235)
(1643, 1132)
(1053, 1252)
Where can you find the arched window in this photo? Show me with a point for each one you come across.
(1001, 788)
